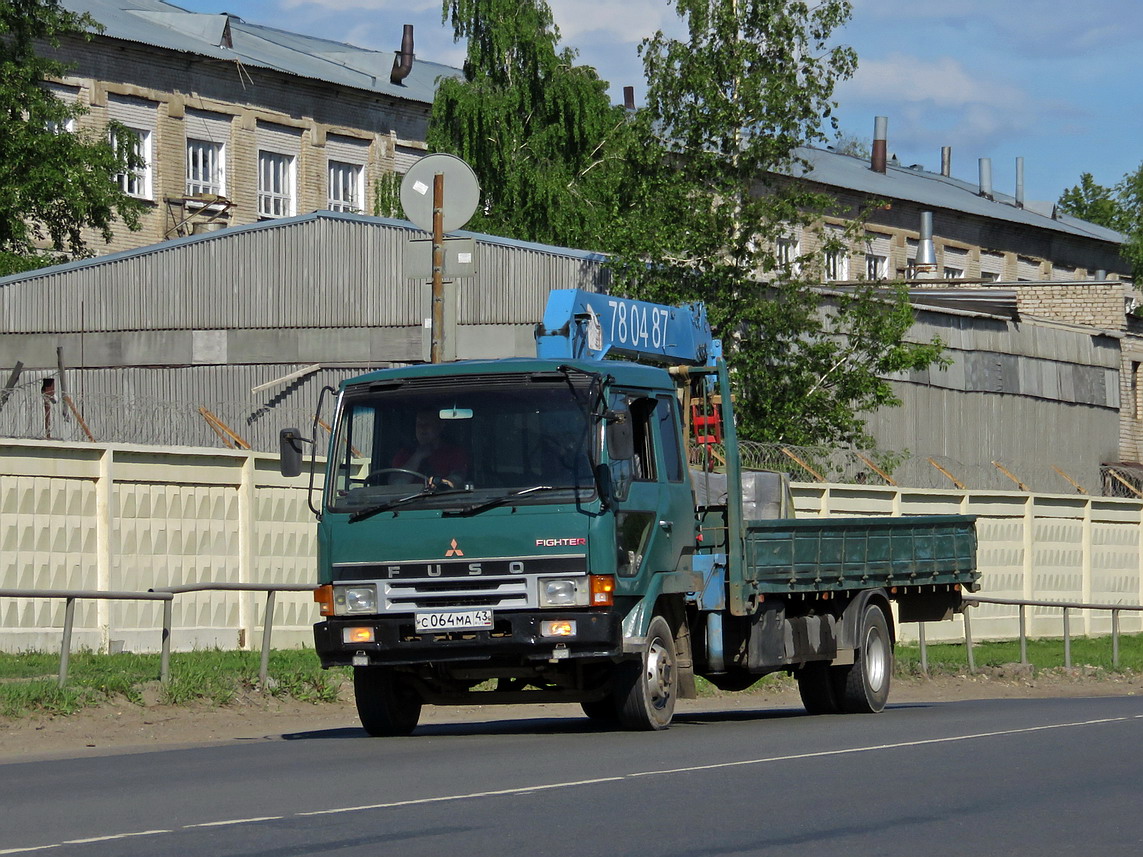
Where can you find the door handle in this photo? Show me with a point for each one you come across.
(666, 525)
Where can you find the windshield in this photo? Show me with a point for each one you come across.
(469, 441)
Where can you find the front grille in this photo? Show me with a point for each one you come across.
(401, 596)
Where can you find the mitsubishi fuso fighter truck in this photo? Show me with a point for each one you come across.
(576, 527)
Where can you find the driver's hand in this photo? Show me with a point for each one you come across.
(438, 481)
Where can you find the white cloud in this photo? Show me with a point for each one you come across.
(942, 81)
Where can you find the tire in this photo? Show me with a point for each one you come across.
(816, 688)
(863, 687)
(600, 710)
(387, 703)
(646, 689)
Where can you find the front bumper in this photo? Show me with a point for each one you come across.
(515, 638)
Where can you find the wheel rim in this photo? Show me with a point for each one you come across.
(876, 659)
(660, 675)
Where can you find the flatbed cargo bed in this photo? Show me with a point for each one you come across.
(791, 555)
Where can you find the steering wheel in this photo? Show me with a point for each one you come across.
(374, 477)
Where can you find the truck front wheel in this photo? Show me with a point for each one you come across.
(647, 688)
(863, 686)
(387, 702)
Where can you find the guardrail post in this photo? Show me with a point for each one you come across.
(1067, 641)
(65, 649)
(1115, 639)
(968, 639)
(267, 629)
(924, 648)
(1023, 635)
(165, 660)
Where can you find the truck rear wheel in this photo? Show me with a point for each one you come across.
(646, 688)
(863, 686)
(387, 703)
(816, 688)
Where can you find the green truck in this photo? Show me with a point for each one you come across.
(575, 527)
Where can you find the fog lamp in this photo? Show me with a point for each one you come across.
(558, 628)
(357, 635)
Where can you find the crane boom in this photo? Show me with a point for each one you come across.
(587, 325)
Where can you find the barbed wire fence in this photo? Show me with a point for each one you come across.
(28, 412)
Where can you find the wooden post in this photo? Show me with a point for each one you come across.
(951, 478)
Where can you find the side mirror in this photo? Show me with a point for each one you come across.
(290, 442)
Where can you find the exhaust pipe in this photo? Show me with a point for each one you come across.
(403, 59)
(986, 178)
(925, 268)
(880, 143)
(1019, 182)
(946, 161)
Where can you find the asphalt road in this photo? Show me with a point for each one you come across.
(1013, 777)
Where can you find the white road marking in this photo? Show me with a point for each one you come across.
(519, 790)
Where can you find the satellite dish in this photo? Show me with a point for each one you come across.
(461, 192)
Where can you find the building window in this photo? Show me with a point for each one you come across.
(953, 273)
(989, 276)
(786, 252)
(275, 184)
(137, 182)
(205, 168)
(345, 186)
(836, 265)
(875, 266)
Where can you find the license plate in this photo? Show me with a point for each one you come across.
(453, 620)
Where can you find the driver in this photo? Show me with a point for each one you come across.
(443, 463)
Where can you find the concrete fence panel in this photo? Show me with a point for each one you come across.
(130, 518)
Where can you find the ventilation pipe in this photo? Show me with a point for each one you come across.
(925, 267)
(880, 142)
(986, 178)
(403, 59)
(629, 97)
(1019, 182)
(946, 161)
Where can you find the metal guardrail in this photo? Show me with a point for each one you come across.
(166, 594)
(1065, 606)
(69, 609)
(271, 590)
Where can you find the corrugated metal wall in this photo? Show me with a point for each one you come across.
(324, 270)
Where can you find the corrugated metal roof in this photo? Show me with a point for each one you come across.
(919, 186)
(162, 25)
(283, 224)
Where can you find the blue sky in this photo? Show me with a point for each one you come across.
(1056, 82)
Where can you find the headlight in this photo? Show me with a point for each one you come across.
(562, 592)
(359, 599)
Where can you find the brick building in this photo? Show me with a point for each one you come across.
(239, 122)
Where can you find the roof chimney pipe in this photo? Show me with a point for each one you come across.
(1019, 182)
(403, 59)
(880, 138)
(986, 178)
(629, 97)
(946, 161)
(925, 268)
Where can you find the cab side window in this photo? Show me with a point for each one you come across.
(643, 415)
(669, 438)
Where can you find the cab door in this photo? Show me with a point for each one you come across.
(654, 516)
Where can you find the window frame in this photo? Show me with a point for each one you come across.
(138, 183)
(355, 204)
(277, 184)
(213, 184)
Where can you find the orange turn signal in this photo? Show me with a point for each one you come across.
(323, 595)
(602, 587)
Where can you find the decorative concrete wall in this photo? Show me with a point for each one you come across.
(116, 517)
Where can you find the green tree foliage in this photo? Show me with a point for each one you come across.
(732, 104)
(1119, 208)
(549, 148)
(55, 183)
(682, 194)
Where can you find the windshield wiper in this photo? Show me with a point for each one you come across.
(477, 508)
(401, 501)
